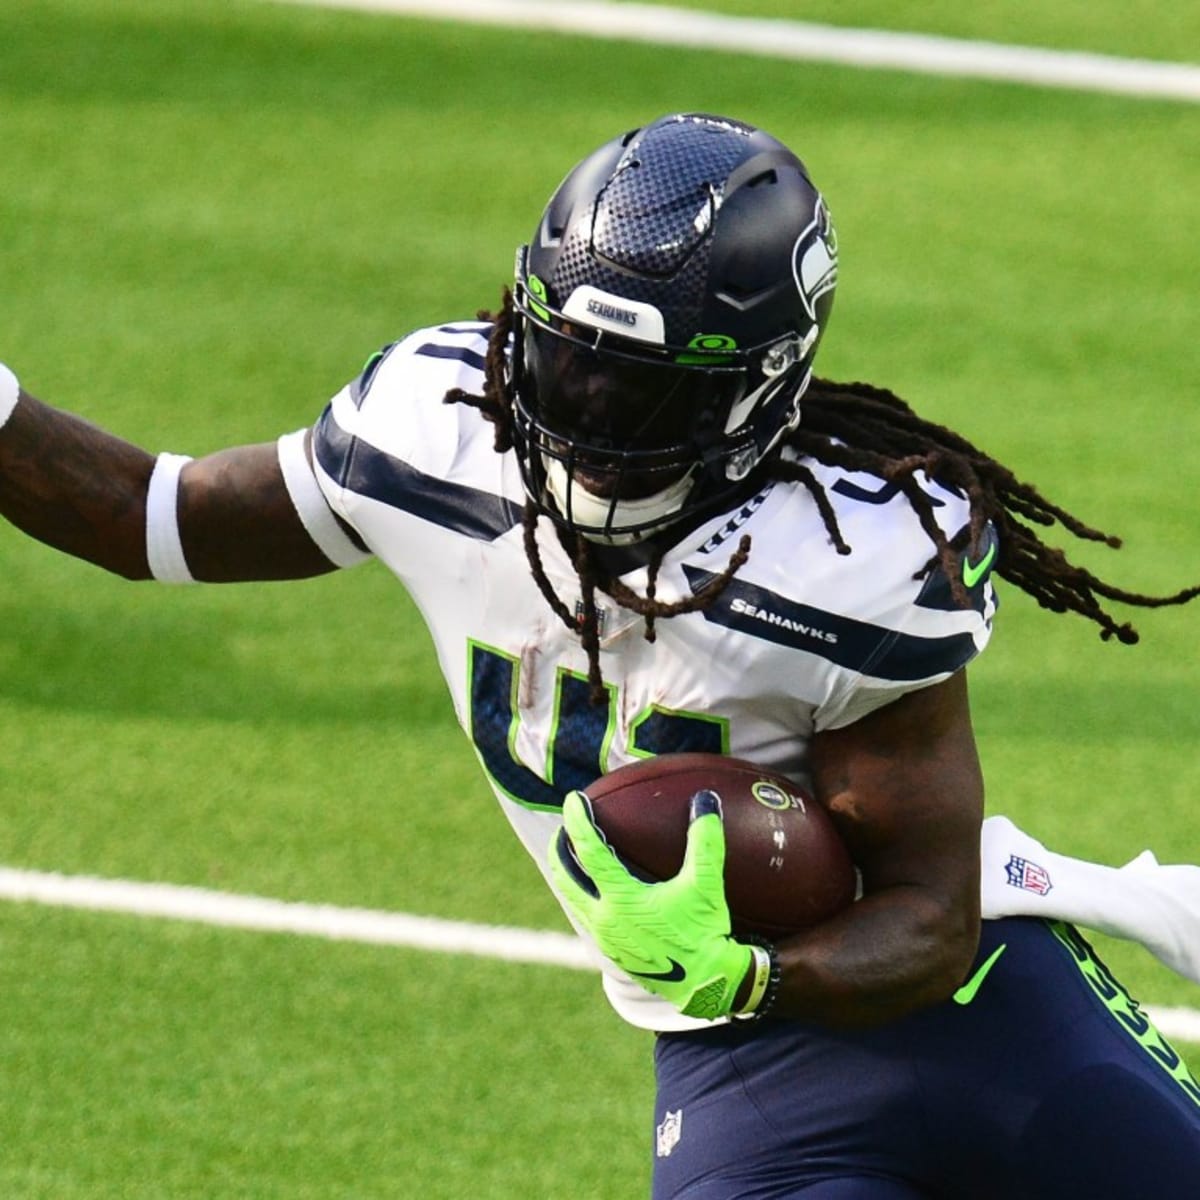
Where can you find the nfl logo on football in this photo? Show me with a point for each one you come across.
(669, 1132)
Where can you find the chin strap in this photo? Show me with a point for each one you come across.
(629, 520)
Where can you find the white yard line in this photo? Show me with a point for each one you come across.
(279, 916)
(799, 40)
(355, 925)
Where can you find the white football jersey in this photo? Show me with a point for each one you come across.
(803, 639)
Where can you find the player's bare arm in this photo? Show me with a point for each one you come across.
(905, 789)
(83, 491)
(238, 522)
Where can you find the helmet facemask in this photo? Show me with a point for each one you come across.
(618, 439)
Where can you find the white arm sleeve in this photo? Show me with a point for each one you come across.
(1144, 901)
(310, 504)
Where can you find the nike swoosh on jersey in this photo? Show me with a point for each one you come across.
(675, 975)
(969, 990)
(974, 572)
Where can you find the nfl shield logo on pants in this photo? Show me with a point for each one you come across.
(669, 1132)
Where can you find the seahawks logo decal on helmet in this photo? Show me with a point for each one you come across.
(814, 259)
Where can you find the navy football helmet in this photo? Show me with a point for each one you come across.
(668, 311)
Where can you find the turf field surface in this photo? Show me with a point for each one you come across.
(212, 215)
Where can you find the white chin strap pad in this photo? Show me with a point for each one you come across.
(588, 510)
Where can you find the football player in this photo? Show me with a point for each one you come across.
(637, 524)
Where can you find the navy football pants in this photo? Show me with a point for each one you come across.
(1049, 1085)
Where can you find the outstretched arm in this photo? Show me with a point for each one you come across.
(83, 491)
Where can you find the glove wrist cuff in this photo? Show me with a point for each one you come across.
(764, 984)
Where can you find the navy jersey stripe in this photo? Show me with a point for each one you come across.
(464, 327)
(457, 353)
(885, 493)
(368, 471)
(856, 645)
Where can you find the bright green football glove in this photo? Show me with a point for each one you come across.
(673, 937)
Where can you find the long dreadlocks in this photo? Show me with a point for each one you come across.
(857, 427)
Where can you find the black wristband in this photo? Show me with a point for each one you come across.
(770, 992)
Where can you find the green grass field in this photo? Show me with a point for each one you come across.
(211, 215)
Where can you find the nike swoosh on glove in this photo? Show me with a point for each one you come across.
(673, 937)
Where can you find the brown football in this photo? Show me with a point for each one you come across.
(786, 868)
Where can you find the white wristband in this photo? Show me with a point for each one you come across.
(310, 504)
(164, 549)
(10, 393)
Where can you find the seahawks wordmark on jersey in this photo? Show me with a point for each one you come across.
(803, 639)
